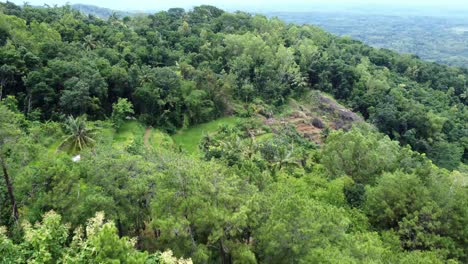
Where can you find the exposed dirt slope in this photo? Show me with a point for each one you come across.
(314, 114)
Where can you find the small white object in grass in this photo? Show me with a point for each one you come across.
(76, 158)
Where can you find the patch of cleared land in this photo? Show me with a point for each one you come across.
(189, 139)
(315, 113)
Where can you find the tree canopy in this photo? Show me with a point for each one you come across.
(331, 151)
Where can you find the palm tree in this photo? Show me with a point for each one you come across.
(285, 159)
(79, 136)
(279, 157)
(89, 43)
(249, 146)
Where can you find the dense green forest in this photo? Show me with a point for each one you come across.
(439, 38)
(219, 137)
(432, 34)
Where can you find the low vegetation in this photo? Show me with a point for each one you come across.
(218, 137)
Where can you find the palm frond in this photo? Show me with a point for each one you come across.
(79, 136)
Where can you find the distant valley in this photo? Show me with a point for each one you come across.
(437, 39)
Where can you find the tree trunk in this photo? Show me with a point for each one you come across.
(10, 190)
(29, 102)
(225, 257)
(120, 227)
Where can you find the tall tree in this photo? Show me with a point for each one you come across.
(78, 134)
(9, 132)
(120, 110)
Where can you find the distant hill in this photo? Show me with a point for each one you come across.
(437, 39)
(100, 11)
(441, 39)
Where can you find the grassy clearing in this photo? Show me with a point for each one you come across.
(127, 133)
(131, 130)
(265, 137)
(188, 139)
(160, 139)
(54, 146)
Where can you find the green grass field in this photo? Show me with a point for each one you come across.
(188, 139)
(127, 133)
(159, 139)
(134, 129)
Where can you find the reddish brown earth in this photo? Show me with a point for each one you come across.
(320, 110)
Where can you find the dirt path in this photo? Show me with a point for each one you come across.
(146, 137)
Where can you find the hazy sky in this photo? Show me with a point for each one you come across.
(269, 5)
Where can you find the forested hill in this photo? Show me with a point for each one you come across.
(226, 138)
(100, 12)
(433, 35)
(49, 53)
(436, 38)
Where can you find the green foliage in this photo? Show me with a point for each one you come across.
(394, 197)
(399, 30)
(189, 138)
(48, 242)
(362, 155)
(103, 245)
(402, 202)
(120, 111)
(128, 133)
(159, 98)
(230, 190)
(78, 135)
(44, 242)
(446, 155)
(200, 206)
(58, 62)
(9, 126)
(355, 194)
(295, 226)
(10, 132)
(8, 250)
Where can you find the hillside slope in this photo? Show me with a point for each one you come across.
(215, 58)
(432, 38)
(226, 138)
